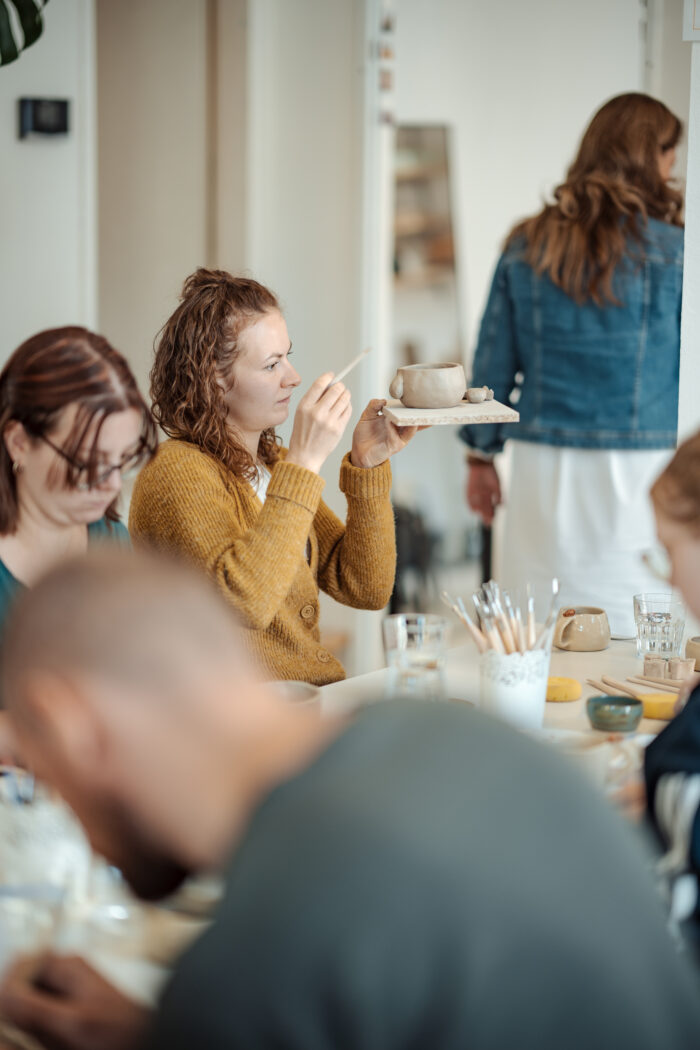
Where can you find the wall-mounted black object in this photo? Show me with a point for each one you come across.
(43, 116)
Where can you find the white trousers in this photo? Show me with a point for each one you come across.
(583, 515)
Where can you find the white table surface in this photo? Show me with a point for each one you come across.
(619, 661)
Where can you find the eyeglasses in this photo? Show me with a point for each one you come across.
(658, 563)
(127, 468)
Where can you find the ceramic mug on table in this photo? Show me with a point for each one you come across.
(692, 651)
(429, 386)
(582, 629)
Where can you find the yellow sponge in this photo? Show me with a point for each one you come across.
(659, 705)
(563, 689)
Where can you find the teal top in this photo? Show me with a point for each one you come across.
(98, 532)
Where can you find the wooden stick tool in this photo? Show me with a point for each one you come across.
(348, 368)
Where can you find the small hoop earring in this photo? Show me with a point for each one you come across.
(16, 467)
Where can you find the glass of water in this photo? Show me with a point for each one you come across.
(660, 621)
(415, 646)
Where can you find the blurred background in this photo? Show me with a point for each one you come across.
(363, 158)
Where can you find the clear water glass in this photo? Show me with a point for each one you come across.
(415, 645)
(659, 620)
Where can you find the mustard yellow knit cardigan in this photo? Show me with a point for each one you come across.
(185, 503)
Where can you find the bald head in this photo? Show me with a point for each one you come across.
(129, 694)
(133, 617)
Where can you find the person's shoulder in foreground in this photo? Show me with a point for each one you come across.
(672, 774)
(433, 880)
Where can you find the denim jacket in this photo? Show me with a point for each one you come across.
(585, 376)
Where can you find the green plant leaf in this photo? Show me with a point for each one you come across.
(30, 17)
(8, 47)
(31, 21)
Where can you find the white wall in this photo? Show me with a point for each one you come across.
(153, 181)
(47, 183)
(517, 82)
(688, 404)
(668, 66)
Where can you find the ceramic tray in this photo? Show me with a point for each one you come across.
(464, 412)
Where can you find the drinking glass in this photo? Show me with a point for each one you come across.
(659, 620)
(415, 648)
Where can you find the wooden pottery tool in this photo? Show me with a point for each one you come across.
(669, 684)
(348, 368)
(656, 705)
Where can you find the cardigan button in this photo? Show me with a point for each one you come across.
(307, 612)
(323, 656)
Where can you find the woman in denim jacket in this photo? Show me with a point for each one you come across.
(581, 333)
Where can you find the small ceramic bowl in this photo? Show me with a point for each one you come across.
(614, 714)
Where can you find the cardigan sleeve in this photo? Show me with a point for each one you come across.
(183, 504)
(357, 561)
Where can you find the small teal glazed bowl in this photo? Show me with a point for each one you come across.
(614, 714)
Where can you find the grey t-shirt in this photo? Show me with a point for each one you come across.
(433, 881)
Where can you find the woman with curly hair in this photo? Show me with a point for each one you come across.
(582, 332)
(223, 493)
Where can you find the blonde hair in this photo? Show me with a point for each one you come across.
(676, 491)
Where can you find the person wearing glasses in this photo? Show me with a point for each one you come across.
(73, 425)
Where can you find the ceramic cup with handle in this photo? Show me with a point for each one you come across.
(429, 386)
(582, 629)
(692, 651)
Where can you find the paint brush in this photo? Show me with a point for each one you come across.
(459, 609)
(478, 636)
(520, 632)
(542, 640)
(531, 628)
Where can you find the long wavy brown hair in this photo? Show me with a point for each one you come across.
(48, 373)
(612, 187)
(196, 348)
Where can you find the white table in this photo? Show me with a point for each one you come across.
(619, 660)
